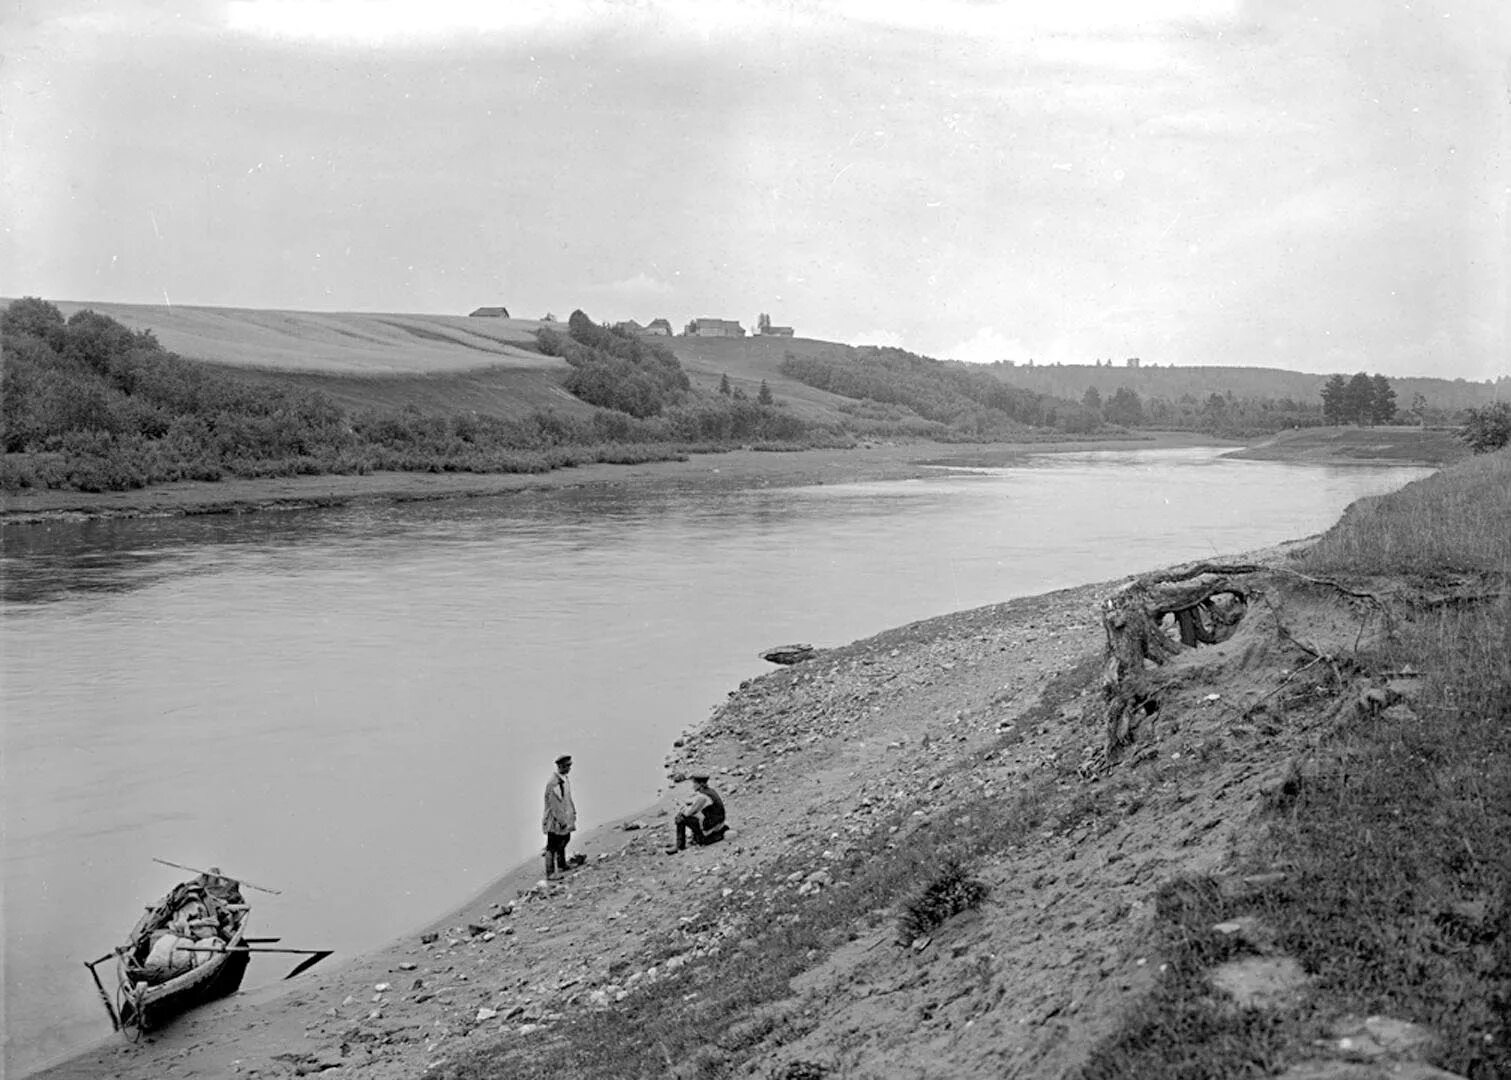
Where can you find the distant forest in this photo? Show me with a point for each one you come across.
(916, 393)
(1187, 390)
(909, 394)
(988, 402)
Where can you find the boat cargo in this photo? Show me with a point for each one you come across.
(187, 949)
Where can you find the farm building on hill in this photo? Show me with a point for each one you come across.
(765, 329)
(659, 326)
(490, 313)
(715, 328)
(629, 326)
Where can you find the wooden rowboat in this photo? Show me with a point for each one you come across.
(188, 948)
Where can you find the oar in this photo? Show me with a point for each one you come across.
(115, 1021)
(217, 873)
(315, 955)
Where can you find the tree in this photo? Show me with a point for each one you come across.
(763, 396)
(35, 316)
(1125, 408)
(1383, 405)
(1359, 399)
(1092, 399)
(1419, 409)
(1334, 394)
(724, 385)
(1487, 429)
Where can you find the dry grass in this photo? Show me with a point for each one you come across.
(349, 343)
(1397, 892)
(1454, 522)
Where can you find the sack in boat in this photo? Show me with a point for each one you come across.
(206, 948)
(172, 955)
(168, 958)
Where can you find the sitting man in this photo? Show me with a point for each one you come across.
(702, 815)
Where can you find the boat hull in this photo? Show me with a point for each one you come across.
(157, 1005)
(144, 1003)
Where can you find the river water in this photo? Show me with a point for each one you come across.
(360, 707)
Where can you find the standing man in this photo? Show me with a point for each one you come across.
(702, 815)
(560, 818)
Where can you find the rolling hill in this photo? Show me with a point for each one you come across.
(457, 363)
(439, 363)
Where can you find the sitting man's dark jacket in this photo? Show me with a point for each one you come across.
(702, 816)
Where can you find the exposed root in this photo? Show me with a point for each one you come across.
(1206, 602)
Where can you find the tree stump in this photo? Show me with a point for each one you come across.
(1207, 604)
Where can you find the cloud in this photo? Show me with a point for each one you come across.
(987, 345)
(1232, 121)
(996, 20)
(409, 22)
(401, 22)
(885, 338)
(642, 284)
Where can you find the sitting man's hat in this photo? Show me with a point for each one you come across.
(698, 776)
(565, 759)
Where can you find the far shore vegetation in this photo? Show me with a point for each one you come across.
(91, 405)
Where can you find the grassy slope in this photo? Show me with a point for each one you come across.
(1363, 444)
(440, 363)
(352, 343)
(453, 363)
(1394, 833)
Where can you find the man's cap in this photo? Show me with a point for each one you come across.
(565, 759)
(698, 776)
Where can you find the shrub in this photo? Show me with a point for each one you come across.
(952, 892)
(1488, 428)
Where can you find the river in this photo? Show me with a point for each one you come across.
(359, 707)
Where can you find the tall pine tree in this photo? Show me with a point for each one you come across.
(1334, 391)
(1383, 405)
(1359, 399)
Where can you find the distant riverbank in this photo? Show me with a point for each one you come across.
(1359, 446)
(737, 468)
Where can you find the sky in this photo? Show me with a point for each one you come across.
(1319, 185)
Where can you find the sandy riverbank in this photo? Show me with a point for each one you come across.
(532, 953)
(738, 468)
